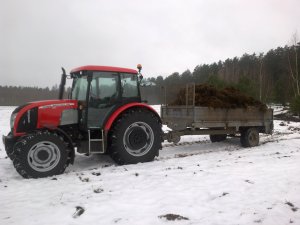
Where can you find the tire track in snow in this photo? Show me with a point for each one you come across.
(272, 138)
(279, 136)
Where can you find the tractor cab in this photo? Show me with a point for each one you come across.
(101, 90)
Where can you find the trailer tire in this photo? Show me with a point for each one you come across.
(250, 137)
(217, 137)
(135, 137)
(41, 154)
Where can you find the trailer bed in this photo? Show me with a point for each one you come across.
(182, 117)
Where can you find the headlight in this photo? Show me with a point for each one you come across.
(12, 120)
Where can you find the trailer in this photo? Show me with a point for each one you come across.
(216, 122)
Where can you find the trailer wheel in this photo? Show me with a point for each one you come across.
(250, 137)
(135, 137)
(41, 154)
(217, 137)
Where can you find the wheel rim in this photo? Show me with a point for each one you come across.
(43, 156)
(138, 139)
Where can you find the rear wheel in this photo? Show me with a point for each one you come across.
(40, 155)
(135, 137)
(217, 137)
(250, 137)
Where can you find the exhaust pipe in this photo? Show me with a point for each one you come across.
(62, 84)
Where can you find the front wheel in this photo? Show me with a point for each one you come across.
(9, 147)
(40, 155)
(135, 137)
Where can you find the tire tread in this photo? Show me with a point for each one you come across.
(113, 137)
(19, 158)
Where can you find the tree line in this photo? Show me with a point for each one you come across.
(13, 96)
(269, 77)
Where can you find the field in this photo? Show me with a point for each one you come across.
(194, 182)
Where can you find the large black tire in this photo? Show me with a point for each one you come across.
(135, 137)
(249, 137)
(9, 149)
(217, 137)
(41, 154)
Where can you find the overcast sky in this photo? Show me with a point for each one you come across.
(38, 37)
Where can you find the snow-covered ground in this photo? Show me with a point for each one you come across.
(196, 182)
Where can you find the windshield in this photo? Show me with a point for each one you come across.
(80, 88)
(104, 87)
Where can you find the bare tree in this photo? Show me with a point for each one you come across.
(260, 57)
(293, 67)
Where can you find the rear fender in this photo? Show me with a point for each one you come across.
(112, 118)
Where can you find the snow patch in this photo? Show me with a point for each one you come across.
(196, 183)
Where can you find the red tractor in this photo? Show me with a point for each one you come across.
(104, 114)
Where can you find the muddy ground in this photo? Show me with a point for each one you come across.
(209, 96)
(287, 117)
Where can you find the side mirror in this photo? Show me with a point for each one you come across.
(139, 67)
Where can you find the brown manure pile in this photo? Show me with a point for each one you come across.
(209, 96)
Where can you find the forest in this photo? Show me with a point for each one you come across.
(13, 96)
(271, 77)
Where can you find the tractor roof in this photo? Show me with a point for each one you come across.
(104, 69)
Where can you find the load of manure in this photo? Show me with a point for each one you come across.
(209, 96)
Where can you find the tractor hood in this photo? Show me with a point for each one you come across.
(42, 114)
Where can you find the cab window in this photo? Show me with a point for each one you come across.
(129, 83)
(103, 89)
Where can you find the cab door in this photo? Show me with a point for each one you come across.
(103, 96)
